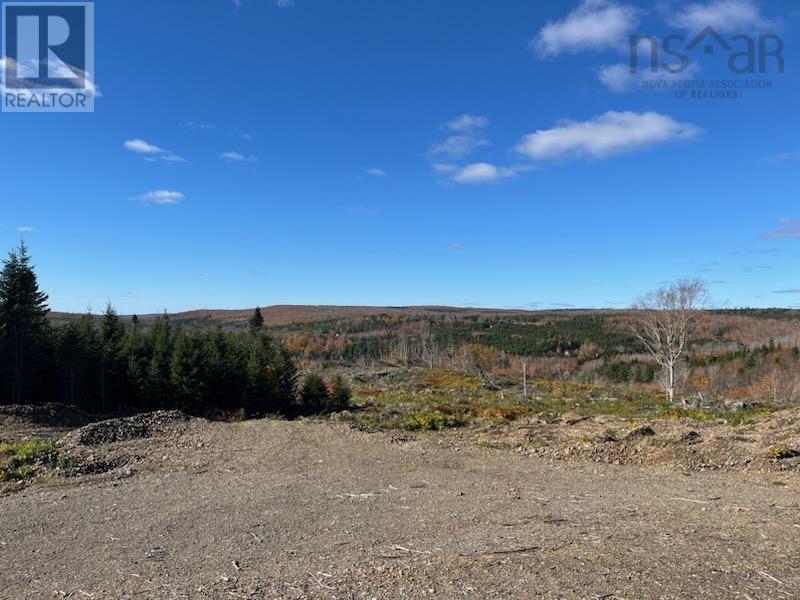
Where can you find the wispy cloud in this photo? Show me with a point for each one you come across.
(482, 173)
(198, 125)
(604, 135)
(63, 70)
(206, 126)
(722, 15)
(444, 168)
(593, 25)
(142, 147)
(161, 197)
(279, 3)
(375, 172)
(618, 77)
(237, 157)
(784, 157)
(173, 158)
(774, 251)
(151, 151)
(455, 246)
(24, 229)
(467, 122)
(789, 229)
(466, 136)
(458, 146)
(792, 291)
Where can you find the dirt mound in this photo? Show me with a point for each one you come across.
(49, 415)
(770, 442)
(129, 428)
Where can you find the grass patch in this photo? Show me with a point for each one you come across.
(18, 461)
(732, 417)
(431, 400)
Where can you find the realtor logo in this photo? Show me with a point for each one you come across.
(48, 57)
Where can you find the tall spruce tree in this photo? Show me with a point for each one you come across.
(112, 332)
(23, 326)
(256, 322)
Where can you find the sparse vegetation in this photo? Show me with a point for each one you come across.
(18, 461)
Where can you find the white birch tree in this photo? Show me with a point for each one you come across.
(666, 321)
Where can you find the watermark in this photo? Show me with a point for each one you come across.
(48, 57)
(672, 63)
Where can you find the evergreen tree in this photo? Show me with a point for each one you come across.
(188, 374)
(158, 387)
(286, 382)
(340, 394)
(23, 325)
(112, 333)
(256, 322)
(314, 395)
(69, 360)
(100, 365)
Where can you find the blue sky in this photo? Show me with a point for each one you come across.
(408, 152)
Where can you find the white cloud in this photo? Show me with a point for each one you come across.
(237, 157)
(375, 172)
(466, 139)
(618, 77)
(593, 25)
(444, 168)
(604, 135)
(482, 173)
(455, 245)
(789, 229)
(458, 146)
(142, 147)
(152, 152)
(24, 229)
(173, 158)
(63, 70)
(161, 197)
(468, 122)
(722, 15)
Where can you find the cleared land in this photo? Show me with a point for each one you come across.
(271, 509)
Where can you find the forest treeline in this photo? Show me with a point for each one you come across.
(103, 364)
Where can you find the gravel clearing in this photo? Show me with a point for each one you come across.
(271, 509)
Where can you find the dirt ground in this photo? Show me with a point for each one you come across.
(271, 509)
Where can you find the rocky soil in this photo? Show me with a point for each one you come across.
(770, 443)
(271, 509)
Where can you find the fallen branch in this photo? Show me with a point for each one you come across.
(768, 576)
(695, 501)
(319, 582)
(503, 551)
(404, 549)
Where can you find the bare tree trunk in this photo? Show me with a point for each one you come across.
(671, 382)
(525, 379)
